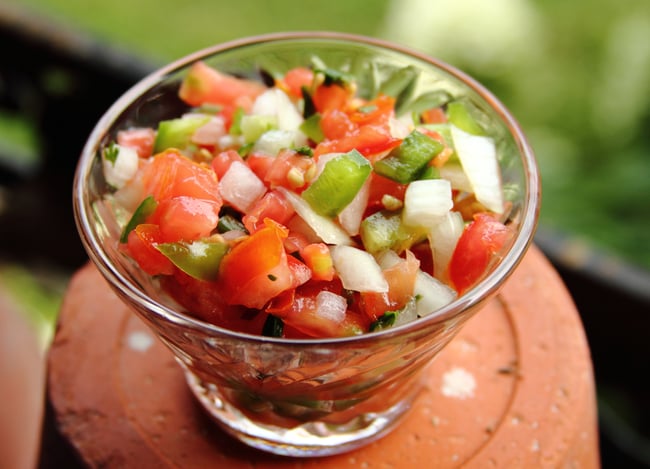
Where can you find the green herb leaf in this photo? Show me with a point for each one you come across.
(273, 326)
(111, 152)
(384, 321)
(305, 150)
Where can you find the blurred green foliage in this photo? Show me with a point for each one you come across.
(575, 73)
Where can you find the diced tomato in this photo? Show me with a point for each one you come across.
(140, 139)
(401, 283)
(171, 174)
(204, 300)
(336, 124)
(330, 97)
(223, 160)
(318, 258)
(289, 169)
(260, 163)
(141, 246)
(434, 115)
(256, 269)
(368, 140)
(295, 79)
(295, 241)
(274, 206)
(186, 218)
(375, 112)
(476, 249)
(379, 187)
(301, 317)
(205, 85)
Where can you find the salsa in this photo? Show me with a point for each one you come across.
(303, 209)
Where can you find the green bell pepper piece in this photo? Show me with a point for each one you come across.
(146, 208)
(199, 259)
(338, 183)
(460, 115)
(176, 133)
(405, 163)
(384, 230)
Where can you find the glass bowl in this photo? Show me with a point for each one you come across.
(300, 397)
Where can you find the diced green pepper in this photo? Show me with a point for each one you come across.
(253, 126)
(405, 163)
(312, 129)
(230, 223)
(146, 208)
(199, 259)
(176, 133)
(379, 231)
(384, 230)
(338, 183)
(460, 115)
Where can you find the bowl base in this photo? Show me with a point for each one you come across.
(309, 439)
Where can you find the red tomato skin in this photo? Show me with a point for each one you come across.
(140, 139)
(186, 218)
(223, 160)
(141, 246)
(330, 97)
(336, 124)
(171, 174)
(205, 85)
(272, 205)
(369, 140)
(295, 79)
(477, 246)
(256, 269)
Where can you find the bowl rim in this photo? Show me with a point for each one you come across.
(485, 288)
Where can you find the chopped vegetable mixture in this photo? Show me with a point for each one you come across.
(303, 210)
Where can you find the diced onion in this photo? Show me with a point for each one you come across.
(122, 170)
(272, 141)
(331, 306)
(351, 216)
(478, 156)
(240, 187)
(358, 270)
(443, 237)
(275, 102)
(431, 294)
(326, 229)
(211, 132)
(425, 201)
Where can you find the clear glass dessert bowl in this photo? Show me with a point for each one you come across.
(300, 397)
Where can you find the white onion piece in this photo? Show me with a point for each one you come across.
(431, 294)
(211, 132)
(402, 126)
(272, 141)
(426, 201)
(408, 314)
(351, 216)
(456, 176)
(358, 270)
(275, 102)
(123, 168)
(478, 156)
(443, 238)
(241, 187)
(326, 229)
(331, 306)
